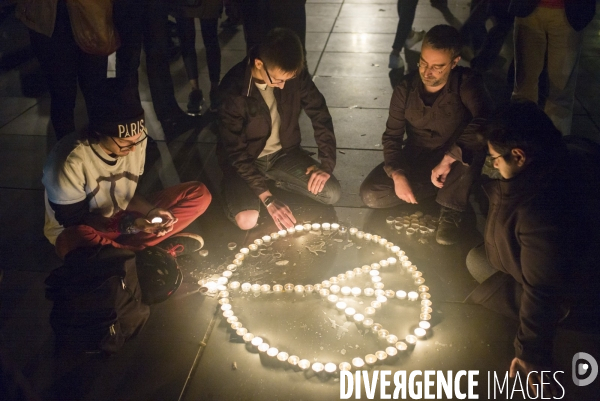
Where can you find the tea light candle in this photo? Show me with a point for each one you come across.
(403, 258)
(272, 352)
(360, 234)
(282, 356)
(383, 334)
(390, 220)
(333, 298)
(366, 268)
(392, 261)
(370, 359)
(381, 355)
(325, 283)
(341, 277)
(291, 231)
(278, 288)
(395, 248)
(401, 346)
(356, 291)
(410, 339)
(282, 233)
(417, 274)
(369, 291)
(369, 310)
(253, 247)
(293, 360)
(413, 296)
(228, 313)
(232, 319)
(410, 231)
(384, 263)
(359, 318)
(345, 366)
(289, 287)
(368, 323)
(419, 280)
(248, 337)
(266, 239)
(318, 367)
(240, 256)
(316, 226)
(246, 287)
(406, 264)
(256, 341)
(341, 305)
(299, 229)
(375, 266)
(382, 241)
(156, 220)
(333, 280)
(426, 309)
(349, 312)
(425, 295)
(265, 288)
(376, 304)
(391, 351)
(234, 285)
(241, 331)
(346, 290)
(425, 325)
(223, 301)
(221, 287)
(392, 339)
(411, 268)
(264, 347)
(304, 364)
(330, 367)
(376, 279)
(390, 293)
(358, 363)
(389, 245)
(368, 236)
(336, 226)
(324, 292)
(255, 287)
(227, 273)
(258, 242)
(374, 272)
(236, 325)
(225, 280)
(274, 236)
(307, 227)
(426, 302)
(425, 316)
(420, 332)
(357, 271)
(308, 288)
(401, 294)
(350, 274)
(317, 287)
(353, 231)
(299, 289)
(326, 226)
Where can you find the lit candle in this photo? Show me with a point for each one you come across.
(336, 226)
(227, 273)
(232, 267)
(392, 339)
(378, 286)
(241, 331)
(265, 288)
(425, 316)
(291, 230)
(390, 293)
(232, 319)
(299, 229)
(381, 355)
(240, 256)
(419, 280)
(223, 301)
(324, 292)
(353, 230)
(369, 310)
(391, 351)
(332, 298)
(389, 245)
(258, 242)
(282, 233)
(234, 285)
(376, 279)
(417, 274)
(326, 284)
(307, 227)
(225, 307)
(426, 309)
(374, 272)
(357, 271)
(375, 266)
(413, 296)
(156, 220)
(266, 239)
(401, 294)
(248, 337)
(238, 262)
(366, 268)
(317, 287)
(272, 352)
(376, 304)
(379, 292)
(350, 274)
(293, 360)
(368, 236)
(317, 367)
(211, 286)
(264, 347)
(369, 291)
(411, 268)
(382, 299)
(341, 305)
(349, 312)
(289, 287)
(359, 317)
(356, 291)
(330, 367)
(400, 254)
(410, 231)
(274, 236)
(383, 334)
(360, 234)
(389, 220)
(221, 287)
(382, 241)
(304, 364)
(253, 247)
(278, 288)
(358, 363)
(256, 341)
(425, 295)
(228, 313)
(282, 356)
(346, 290)
(406, 263)
(395, 248)
(236, 325)
(341, 277)
(299, 289)
(426, 302)
(403, 257)
(384, 263)
(410, 339)
(420, 332)
(345, 366)
(401, 346)
(326, 226)
(255, 287)
(370, 359)
(425, 325)
(316, 226)
(308, 288)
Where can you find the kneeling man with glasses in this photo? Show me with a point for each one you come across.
(261, 101)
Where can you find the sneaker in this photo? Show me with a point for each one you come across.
(413, 39)
(449, 226)
(182, 244)
(177, 124)
(395, 61)
(195, 101)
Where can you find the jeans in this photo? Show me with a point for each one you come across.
(478, 264)
(548, 32)
(406, 12)
(288, 170)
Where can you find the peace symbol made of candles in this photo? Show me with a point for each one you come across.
(331, 290)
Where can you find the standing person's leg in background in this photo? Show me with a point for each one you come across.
(186, 31)
(495, 37)
(406, 12)
(210, 38)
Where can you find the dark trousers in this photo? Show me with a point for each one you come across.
(187, 34)
(288, 170)
(377, 190)
(65, 65)
(146, 22)
(406, 12)
(260, 16)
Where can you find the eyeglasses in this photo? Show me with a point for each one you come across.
(436, 68)
(129, 147)
(493, 158)
(279, 81)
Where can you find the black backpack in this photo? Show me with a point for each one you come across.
(97, 299)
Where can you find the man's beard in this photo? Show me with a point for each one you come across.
(433, 81)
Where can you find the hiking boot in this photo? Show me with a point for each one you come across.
(182, 244)
(449, 226)
(416, 37)
(195, 101)
(395, 61)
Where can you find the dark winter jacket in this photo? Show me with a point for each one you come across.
(579, 12)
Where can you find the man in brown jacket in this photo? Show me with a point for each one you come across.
(261, 100)
(442, 152)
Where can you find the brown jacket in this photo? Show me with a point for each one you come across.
(447, 124)
(245, 121)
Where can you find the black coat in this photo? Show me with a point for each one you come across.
(579, 12)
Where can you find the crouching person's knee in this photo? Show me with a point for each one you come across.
(247, 219)
(332, 191)
(368, 196)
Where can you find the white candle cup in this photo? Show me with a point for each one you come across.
(308, 288)
(403, 257)
(425, 316)
(368, 323)
(307, 227)
(241, 331)
(223, 301)
(384, 263)
(266, 239)
(238, 262)
(381, 299)
(401, 346)
(381, 355)
(221, 287)
(236, 325)
(346, 290)
(375, 238)
(345, 366)
(234, 285)
(358, 363)
(426, 302)
(248, 337)
(389, 245)
(232, 267)
(341, 277)
(398, 225)
(375, 266)
(326, 226)
(376, 304)
(293, 360)
(330, 368)
(317, 287)
(334, 289)
(378, 286)
(390, 293)
(274, 236)
(353, 230)
(360, 234)
(425, 295)
(410, 231)
(324, 292)
(423, 288)
(277, 288)
(227, 273)
(420, 332)
(264, 347)
(413, 296)
(370, 311)
(424, 325)
(326, 284)
(299, 229)
(374, 272)
(369, 291)
(156, 220)
(365, 268)
(401, 294)
(370, 359)
(255, 287)
(391, 339)
(350, 274)
(232, 319)
(382, 241)
(359, 318)
(282, 233)
(316, 226)
(265, 288)
(357, 271)
(291, 231)
(289, 287)
(392, 261)
(335, 226)
(406, 264)
(282, 356)
(391, 351)
(356, 291)
(410, 339)
(395, 248)
(240, 256)
(246, 287)
(318, 367)
(368, 236)
(299, 289)
(350, 312)
(376, 279)
(383, 334)
(390, 220)
(426, 309)
(304, 364)
(256, 341)
(341, 305)
(228, 313)
(333, 298)
(411, 269)
(222, 281)
(419, 280)
(258, 242)
(333, 280)
(272, 352)
(253, 247)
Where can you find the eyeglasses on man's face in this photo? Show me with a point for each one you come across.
(130, 146)
(436, 69)
(278, 81)
(494, 158)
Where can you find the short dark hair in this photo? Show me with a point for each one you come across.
(444, 37)
(282, 49)
(522, 124)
